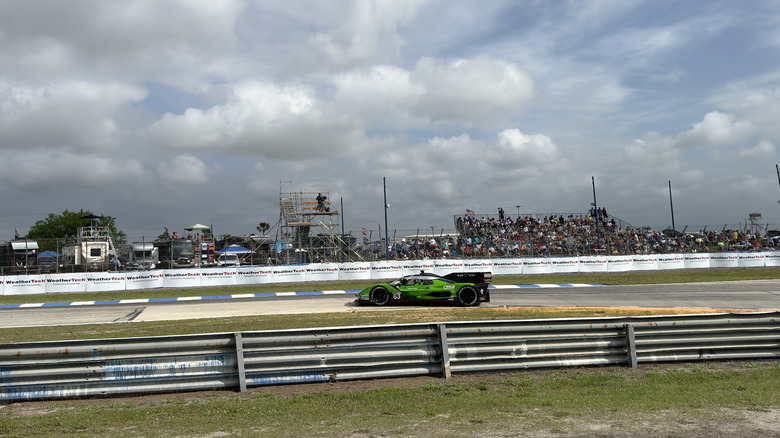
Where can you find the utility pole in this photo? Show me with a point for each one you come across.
(387, 235)
(596, 212)
(671, 204)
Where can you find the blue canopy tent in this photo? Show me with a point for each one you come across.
(234, 249)
(49, 254)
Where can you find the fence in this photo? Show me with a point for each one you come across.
(110, 367)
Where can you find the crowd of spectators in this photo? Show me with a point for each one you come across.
(595, 232)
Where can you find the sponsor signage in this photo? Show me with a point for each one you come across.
(218, 276)
(508, 266)
(322, 272)
(355, 271)
(724, 260)
(671, 261)
(24, 285)
(181, 277)
(593, 264)
(64, 283)
(105, 281)
(254, 275)
(696, 260)
(537, 266)
(750, 259)
(143, 280)
(559, 265)
(619, 263)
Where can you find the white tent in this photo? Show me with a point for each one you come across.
(197, 227)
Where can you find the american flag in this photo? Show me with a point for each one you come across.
(365, 231)
(469, 212)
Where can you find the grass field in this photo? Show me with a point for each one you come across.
(697, 400)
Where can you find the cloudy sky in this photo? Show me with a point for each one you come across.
(167, 113)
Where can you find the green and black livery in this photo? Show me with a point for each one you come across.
(465, 288)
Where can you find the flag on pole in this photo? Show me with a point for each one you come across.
(16, 234)
(469, 213)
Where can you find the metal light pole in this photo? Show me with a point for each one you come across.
(671, 204)
(595, 212)
(387, 235)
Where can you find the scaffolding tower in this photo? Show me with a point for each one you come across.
(310, 226)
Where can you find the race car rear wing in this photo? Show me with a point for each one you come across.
(470, 277)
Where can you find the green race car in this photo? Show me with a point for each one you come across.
(466, 288)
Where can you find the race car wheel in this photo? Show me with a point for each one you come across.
(380, 296)
(467, 296)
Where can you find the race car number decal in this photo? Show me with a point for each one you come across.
(449, 287)
(396, 296)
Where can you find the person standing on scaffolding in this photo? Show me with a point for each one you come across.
(321, 202)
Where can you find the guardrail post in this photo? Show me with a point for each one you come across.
(631, 345)
(445, 351)
(240, 362)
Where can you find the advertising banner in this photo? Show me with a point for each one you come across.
(218, 276)
(65, 283)
(416, 266)
(507, 266)
(2, 286)
(447, 266)
(671, 261)
(696, 260)
(750, 259)
(644, 262)
(322, 272)
(254, 275)
(24, 285)
(593, 264)
(143, 280)
(561, 265)
(355, 271)
(105, 281)
(181, 277)
(771, 258)
(724, 260)
(289, 273)
(537, 266)
(619, 263)
(478, 265)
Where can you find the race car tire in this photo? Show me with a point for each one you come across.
(380, 296)
(468, 296)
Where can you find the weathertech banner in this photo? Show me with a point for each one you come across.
(751, 259)
(620, 263)
(181, 277)
(537, 266)
(143, 280)
(322, 272)
(561, 265)
(507, 266)
(65, 283)
(671, 261)
(218, 276)
(724, 260)
(593, 264)
(386, 269)
(697, 260)
(105, 281)
(24, 285)
(355, 271)
(254, 275)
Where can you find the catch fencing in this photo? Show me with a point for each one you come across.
(237, 361)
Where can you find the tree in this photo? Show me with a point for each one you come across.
(262, 227)
(65, 226)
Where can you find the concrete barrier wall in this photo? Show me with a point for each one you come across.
(379, 270)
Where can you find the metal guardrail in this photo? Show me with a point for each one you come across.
(110, 367)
